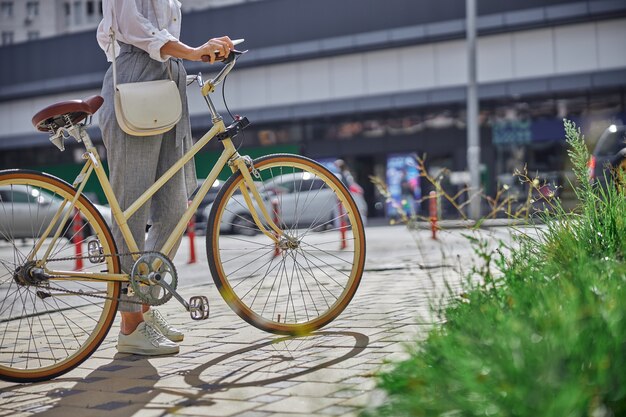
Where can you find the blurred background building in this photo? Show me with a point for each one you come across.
(370, 81)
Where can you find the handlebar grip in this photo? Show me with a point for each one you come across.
(206, 58)
(226, 60)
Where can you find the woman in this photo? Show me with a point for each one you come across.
(146, 34)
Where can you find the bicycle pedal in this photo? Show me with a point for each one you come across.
(199, 307)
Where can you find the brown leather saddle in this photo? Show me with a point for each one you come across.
(61, 114)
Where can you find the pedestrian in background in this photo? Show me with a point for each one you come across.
(347, 178)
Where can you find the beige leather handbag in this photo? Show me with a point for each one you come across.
(146, 108)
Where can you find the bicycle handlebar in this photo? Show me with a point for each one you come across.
(230, 62)
(209, 86)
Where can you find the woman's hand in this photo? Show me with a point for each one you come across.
(216, 48)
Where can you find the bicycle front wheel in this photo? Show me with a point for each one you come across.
(50, 326)
(309, 277)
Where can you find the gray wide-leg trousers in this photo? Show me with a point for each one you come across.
(135, 163)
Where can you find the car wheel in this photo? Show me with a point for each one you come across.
(243, 224)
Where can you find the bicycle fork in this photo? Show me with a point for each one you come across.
(245, 165)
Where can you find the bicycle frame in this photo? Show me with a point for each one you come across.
(229, 157)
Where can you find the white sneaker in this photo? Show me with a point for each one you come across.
(155, 318)
(146, 340)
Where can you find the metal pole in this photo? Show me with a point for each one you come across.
(473, 138)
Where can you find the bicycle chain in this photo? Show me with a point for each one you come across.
(73, 258)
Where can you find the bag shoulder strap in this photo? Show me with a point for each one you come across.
(168, 65)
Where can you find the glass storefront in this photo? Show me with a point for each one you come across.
(516, 135)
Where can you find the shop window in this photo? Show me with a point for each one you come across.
(605, 104)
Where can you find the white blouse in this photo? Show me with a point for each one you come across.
(136, 22)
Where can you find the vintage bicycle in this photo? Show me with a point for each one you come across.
(294, 271)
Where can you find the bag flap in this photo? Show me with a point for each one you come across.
(150, 104)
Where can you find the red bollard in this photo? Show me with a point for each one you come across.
(275, 220)
(77, 240)
(342, 227)
(191, 232)
(432, 209)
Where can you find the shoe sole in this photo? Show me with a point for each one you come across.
(147, 352)
(176, 338)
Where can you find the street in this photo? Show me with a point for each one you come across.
(227, 367)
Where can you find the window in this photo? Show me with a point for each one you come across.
(33, 35)
(6, 9)
(7, 38)
(32, 8)
(78, 12)
(67, 12)
(92, 11)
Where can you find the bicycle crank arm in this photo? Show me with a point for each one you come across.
(198, 306)
(174, 293)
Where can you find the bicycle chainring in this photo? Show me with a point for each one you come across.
(146, 274)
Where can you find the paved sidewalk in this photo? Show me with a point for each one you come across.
(228, 368)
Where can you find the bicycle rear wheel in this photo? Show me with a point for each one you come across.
(48, 327)
(307, 280)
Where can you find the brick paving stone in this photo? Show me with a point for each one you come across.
(111, 406)
(94, 399)
(310, 389)
(149, 412)
(218, 408)
(329, 375)
(336, 410)
(302, 405)
(289, 414)
(136, 390)
(243, 393)
(358, 401)
(253, 414)
(116, 384)
(358, 380)
(282, 384)
(13, 413)
(349, 392)
(64, 393)
(268, 398)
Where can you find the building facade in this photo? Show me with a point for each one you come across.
(369, 81)
(28, 20)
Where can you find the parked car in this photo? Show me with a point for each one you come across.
(201, 213)
(610, 152)
(30, 209)
(289, 189)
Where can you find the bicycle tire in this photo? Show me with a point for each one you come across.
(300, 271)
(45, 333)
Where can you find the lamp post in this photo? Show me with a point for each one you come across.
(473, 138)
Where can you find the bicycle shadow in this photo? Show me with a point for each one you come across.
(280, 359)
(129, 384)
(247, 372)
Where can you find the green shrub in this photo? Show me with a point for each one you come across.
(546, 336)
